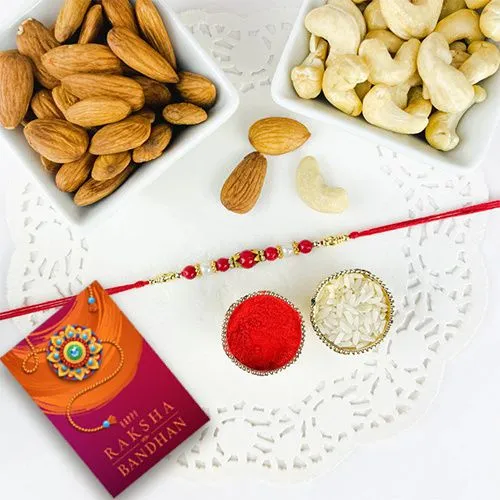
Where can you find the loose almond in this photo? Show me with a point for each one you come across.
(49, 166)
(121, 87)
(63, 99)
(68, 60)
(153, 148)
(98, 111)
(154, 30)
(43, 105)
(109, 166)
(92, 25)
(157, 95)
(33, 40)
(242, 189)
(72, 175)
(93, 191)
(147, 113)
(57, 140)
(16, 88)
(277, 136)
(137, 54)
(120, 14)
(196, 89)
(70, 18)
(122, 136)
(184, 113)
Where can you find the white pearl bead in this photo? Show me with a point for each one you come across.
(288, 250)
(206, 269)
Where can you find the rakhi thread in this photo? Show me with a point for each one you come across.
(248, 259)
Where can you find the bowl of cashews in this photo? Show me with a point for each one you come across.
(420, 77)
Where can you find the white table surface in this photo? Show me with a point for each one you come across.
(451, 454)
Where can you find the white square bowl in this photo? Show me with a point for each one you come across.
(191, 57)
(476, 129)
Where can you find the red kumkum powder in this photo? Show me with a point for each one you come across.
(264, 333)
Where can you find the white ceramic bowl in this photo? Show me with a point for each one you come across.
(191, 57)
(476, 129)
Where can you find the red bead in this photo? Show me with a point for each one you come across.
(306, 246)
(247, 259)
(189, 273)
(271, 253)
(222, 265)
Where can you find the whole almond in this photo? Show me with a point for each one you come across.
(184, 113)
(16, 88)
(43, 105)
(242, 189)
(70, 18)
(92, 25)
(277, 136)
(196, 89)
(120, 14)
(72, 175)
(49, 166)
(68, 60)
(154, 30)
(33, 40)
(137, 54)
(157, 95)
(93, 191)
(98, 111)
(121, 87)
(57, 140)
(153, 148)
(63, 99)
(109, 166)
(122, 136)
(147, 113)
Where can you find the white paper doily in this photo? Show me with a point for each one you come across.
(303, 421)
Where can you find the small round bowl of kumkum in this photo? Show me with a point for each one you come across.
(352, 311)
(263, 333)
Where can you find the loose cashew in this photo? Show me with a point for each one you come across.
(462, 24)
(417, 105)
(351, 7)
(373, 16)
(450, 6)
(483, 62)
(315, 193)
(400, 92)
(448, 88)
(383, 68)
(390, 40)
(490, 20)
(409, 19)
(307, 78)
(441, 132)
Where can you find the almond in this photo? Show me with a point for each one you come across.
(137, 54)
(242, 189)
(154, 147)
(157, 95)
(68, 60)
(196, 89)
(184, 113)
(93, 191)
(49, 166)
(63, 99)
(109, 166)
(154, 30)
(33, 40)
(16, 88)
(92, 25)
(147, 113)
(277, 136)
(121, 87)
(57, 140)
(98, 111)
(122, 136)
(120, 14)
(70, 18)
(43, 105)
(72, 175)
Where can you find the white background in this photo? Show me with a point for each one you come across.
(451, 454)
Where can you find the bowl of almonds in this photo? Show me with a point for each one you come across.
(98, 99)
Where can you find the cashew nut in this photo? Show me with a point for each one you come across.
(307, 78)
(390, 40)
(441, 132)
(417, 105)
(483, 62)
(462, 24)
(315, 193)
(351, 7)
(383, 68)
(450, 6)
(373, 16)
(411, 19)
(380, 109)
(400, 92)
(490, 20)
(448, 88)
